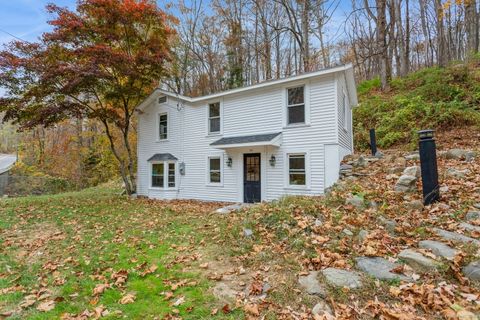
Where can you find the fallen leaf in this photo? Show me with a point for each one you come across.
(46, 306)
(128, 298)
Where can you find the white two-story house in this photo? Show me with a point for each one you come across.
(257, 143)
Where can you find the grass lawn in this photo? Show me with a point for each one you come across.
(95, 253)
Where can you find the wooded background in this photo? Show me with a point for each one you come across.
(225, 44)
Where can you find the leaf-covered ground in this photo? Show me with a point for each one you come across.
(96, 254)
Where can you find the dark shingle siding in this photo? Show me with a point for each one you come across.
(246, 139)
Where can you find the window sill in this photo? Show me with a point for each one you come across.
(211, 184)
(300, 125)
(215, 134)
(162, 140)
(162, 189)
(303, 188)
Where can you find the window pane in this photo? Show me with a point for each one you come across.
(215, 176)
(214, 164)
(157, 175)
(297, 179)
(163, 123)
(214, 125)
(214, 109)
(297, 162)
(171, 175)
(296, 114)
(295, 96)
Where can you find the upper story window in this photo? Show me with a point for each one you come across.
(296, 105)
(163, 126)
(214, 117)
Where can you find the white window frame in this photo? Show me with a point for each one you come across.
(306, 154)
(158, 126)
(165, 175)
(306, 102)
(208, 182)
(215, 133)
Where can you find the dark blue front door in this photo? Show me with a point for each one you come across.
(252, 187)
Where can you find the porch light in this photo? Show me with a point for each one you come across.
(272, 160)
(229, 162)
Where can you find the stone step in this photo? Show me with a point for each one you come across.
(379, 268)
(469, 227)
(418, 261)
(472, 270)
(438, 248)
(454, 236)
(473, 215)
(342, 278)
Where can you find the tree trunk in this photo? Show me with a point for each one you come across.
(441, 45)
(400, 39)
(471, 26)
(382, 49)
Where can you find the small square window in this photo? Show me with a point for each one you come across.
(296, 169)
(215, 170)
(296, 105)
(162, 99)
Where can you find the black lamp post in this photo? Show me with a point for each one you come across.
(428, 162)
(373, 142)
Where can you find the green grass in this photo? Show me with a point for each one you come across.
(93, 233)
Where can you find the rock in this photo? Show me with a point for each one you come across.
(448, 235)
(347, 232)
(342, 278)
(311, 285)
(459, 174)
(379, 154)
(318, 222)
(389, 224)
(418, 261)
(406, 184)
(247, 232)
(379, 268)
(345, 170)
(355, 201)
(413, 156)
(470, 156)
(266, 287)
(224, 293)
(321, 309)
(469, 227)
(438, 248)
(455, 154)
(360, 162)
(412, 171)
(477, 205)
(415, 205)
(472, 270)
(233, 208)
(466, 315)
(444, 189)
(473, 215)
(362, 235)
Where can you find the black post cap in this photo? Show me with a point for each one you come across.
(426, 134)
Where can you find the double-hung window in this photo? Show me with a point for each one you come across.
(296, 170)
(214, 169)
(214, 117)
(163, 126)
(296, 105)
(163, 175)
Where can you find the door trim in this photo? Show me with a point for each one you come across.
(260, 163)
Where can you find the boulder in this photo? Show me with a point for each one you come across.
(472, 270)
(415, 205)
(459, 174)
(473, 215)
(342, 278)
(322, 309)
(406, 184)
(379, 154)
(413, 156)
(455, 154)
(438, 248)
(400, 162)
(355, 201)
(469, 227)
(311, 285)
(379, 268)
(418, 261)
(412, 171)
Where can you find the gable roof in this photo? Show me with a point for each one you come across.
(347, 69)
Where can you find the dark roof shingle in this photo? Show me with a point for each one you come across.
(162, 157)
(246, 139)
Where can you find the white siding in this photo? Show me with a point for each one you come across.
(344, 123)
(247, 113)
